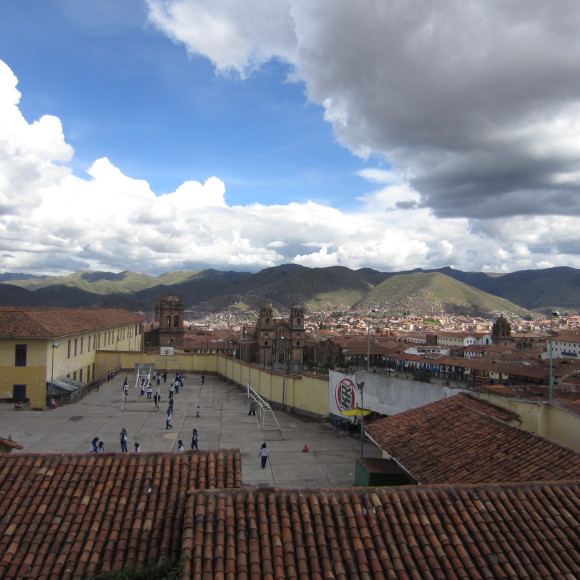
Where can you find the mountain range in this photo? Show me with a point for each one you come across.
(422, 292)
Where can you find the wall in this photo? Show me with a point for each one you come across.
(306, 394)
(33, 375)
(550, 420)
(310, 395)
(392, 395)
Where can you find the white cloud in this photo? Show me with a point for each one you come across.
(477, 103)
(52, 221)
(236, 36)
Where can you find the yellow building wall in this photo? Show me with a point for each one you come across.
(307, 393)
(548, 420)
(41, 366)
(33, 375)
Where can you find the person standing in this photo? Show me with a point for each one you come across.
(94, 448)
(252, 407)
(123, 437)
(264, 454)
(149, 391)
(156, 400)
(194, 439)
(203, 379)
(168, 424)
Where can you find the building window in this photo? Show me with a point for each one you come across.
(68, 349)
(20, 355)
(176, 321)
(82, 344)
(168, 321)
(76, 345)
(19, 392)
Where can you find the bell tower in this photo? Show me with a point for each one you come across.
(169, 316)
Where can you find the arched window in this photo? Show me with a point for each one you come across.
(176, 321)
(169, 321)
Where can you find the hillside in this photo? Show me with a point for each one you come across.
(332, 288)
(433, 294)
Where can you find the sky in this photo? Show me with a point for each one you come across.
(163, 135)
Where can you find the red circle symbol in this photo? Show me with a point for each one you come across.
(345, 395)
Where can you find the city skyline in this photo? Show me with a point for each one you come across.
(157, 136)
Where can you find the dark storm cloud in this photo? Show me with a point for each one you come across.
(477, 102)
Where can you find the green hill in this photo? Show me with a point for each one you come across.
(432, 294)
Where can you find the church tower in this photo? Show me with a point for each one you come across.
(266, 334)
(501, 332)
(169, 316)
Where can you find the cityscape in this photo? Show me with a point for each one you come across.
(289, 290)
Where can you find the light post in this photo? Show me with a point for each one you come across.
(54, 345)
(551, 379)
(362, 417)
(368, 349)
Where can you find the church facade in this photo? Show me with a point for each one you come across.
(275, 343)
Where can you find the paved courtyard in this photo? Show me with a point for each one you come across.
(223, 423)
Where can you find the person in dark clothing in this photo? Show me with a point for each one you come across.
(123, 437)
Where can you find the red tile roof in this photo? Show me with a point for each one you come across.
(40, 322)
(73, 516)
(465, 440)
(484, 532)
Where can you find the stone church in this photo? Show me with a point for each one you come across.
(275, 343)
(169, 329)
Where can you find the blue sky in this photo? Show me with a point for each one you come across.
(127, 92)
(154, 135)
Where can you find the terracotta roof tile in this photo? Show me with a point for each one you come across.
(39, 322)
(489, 531)
(79, 515)
(74, 516)
(463, 439)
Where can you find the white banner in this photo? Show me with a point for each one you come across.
(342, 393)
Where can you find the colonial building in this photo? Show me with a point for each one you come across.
(169, 328)
(281, 341)
(44, 350)
(275, 343)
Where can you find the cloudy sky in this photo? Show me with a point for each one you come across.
(159, 135)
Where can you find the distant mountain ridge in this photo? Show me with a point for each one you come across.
(425, 292)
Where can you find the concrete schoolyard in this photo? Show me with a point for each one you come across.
(223, 423)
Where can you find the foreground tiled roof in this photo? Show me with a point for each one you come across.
(421, 533)
(40, 322)
(73, 516)
(464, 440)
